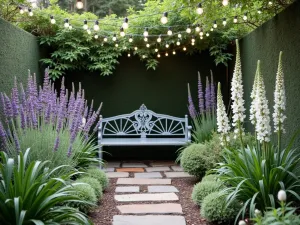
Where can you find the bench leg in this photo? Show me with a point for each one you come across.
(100, 156)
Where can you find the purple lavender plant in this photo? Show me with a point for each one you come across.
(200, 95)
(213, 93)
(207, 96)
(191, 106)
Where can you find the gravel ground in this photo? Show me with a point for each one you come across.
(103, 215)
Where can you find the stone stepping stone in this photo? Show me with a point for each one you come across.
(117, 174)
(128, 189)
(162, 163)
(177, 174)
(148, 220)
(168, 208)
(177, 168)
(148, 175)
(112, 164)
(132, 165)
(146, 197)
(137, 181)
(135, 170)
(162, 189)
(158, 169)
(109, 169)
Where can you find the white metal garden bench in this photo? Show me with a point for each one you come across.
(143, 127)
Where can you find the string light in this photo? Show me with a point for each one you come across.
(105, 39)
(159, 39)
(88, 31)
(79, 4)
(201, 37)
(114, 37)
(52, 20)
(199, 9)
(125, 24)
(212, 29)
(96, 26)
(144, 56)
(197, 27)
(21, 10)
(167, 45)
(130, 39)
(164, 18)
(174, 53)
(201, 32)
(156, 50)
(66, 24)
(122, 33)
(125, 47)
(128, 55)
(224, 22)
(207, 34)
(245, 17)
(166, 54)
(158, 55)
(178, 43)
(145, 39)
(215, 24)
(259, 11)
(235, 19)
(169, 31)
(30, 12)
(225, 2)
(193, 43)
(96, 36)
(147, 45)
(179, 35)
(193, 39)
(188, 29)
(85, 26)
(184, 48)
(116, 45)
(146, 33)
(270, 3)
(135, 48)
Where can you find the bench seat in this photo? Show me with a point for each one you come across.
(143, 141)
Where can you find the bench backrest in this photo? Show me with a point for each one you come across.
(143, 123)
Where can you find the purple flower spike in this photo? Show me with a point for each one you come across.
(8, 108)
(200, 95)
(3, 137)
(191, 106)
(69, 151)
(207, 96)
(56, 144)
(213, 93)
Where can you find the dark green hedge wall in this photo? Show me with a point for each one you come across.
(279, 34)
(19, 52)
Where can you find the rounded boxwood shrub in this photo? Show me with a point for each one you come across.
(99, 175)
(210, 177)
(204, 188)
(213, 208)
(88, 197)
(95, 184)
(197, 159)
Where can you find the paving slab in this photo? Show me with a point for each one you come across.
(177, 174)
(162, 163)
(137, 181)
(177, 168)
(128, 189)
(131, 165)
(117, 174)
(167, 208)
(112, 164)
(162, 189)
(135, 170)
(148, 175)
(158, 169)
(146, 197)
(108, 169)
(148, 220)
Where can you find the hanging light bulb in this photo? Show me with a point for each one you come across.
(125, 23)
(105, 39)
(143, 56)
(207, 34)
(88, 31)
(235, 19)
(158, 55)
(156, 50)
(225, 2)
(114, 37)
(52, 20)
(193, 43)
(70, 27)
(21, 9)
(145, 39)
(193, 39)
(164, 18)
(66, 25)
(166, 54)
(158, 39)
(96, 36)
(245, 17)
(179, 35)
(116, 45)
(79, 4)
(184, 48)
(224, 21)
(259, 11)
(201, 37)
(270, 3)
(201, 32)
(199, 9)
(96, 26)
(167, 45)
(128, 54)
(212, 29)
(174, 53)
(122, 33)
(124, 47)
(197, 27)
(146, 33)
(135, 48)
(85, 25)
(188, 29)
(30, 12)
(147, 45)
(130, 39)
(33, 5)
(178, 43)
(169, 31)
(215, 24)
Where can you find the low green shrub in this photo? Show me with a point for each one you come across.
(99, 175)
(87, 196)
(213, 208)
(210, 177)
(204, 188)
(95, 184)
(197, 159)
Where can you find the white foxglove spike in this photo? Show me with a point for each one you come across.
(222, 119)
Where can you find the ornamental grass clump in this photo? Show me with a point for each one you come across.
(100, 175)
(55, 128)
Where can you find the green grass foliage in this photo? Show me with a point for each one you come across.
(94, 183)
(204, 188)
(99, 175)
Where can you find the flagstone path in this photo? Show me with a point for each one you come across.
(158, 203)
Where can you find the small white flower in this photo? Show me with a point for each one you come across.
(281, 196)
(242, 222)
